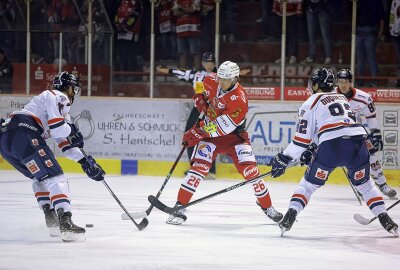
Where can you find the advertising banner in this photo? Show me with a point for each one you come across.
(263, 93)
(42, 78)
(145, 129)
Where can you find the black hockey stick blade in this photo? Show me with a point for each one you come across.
(159, 205)
(143, 224)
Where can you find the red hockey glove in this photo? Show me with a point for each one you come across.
(200, 103)
(193, 136)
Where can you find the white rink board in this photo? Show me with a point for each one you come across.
(145, 129)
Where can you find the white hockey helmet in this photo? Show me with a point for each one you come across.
(228, 70)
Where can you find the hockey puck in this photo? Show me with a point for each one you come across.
(89, 225)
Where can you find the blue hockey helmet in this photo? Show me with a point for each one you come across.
(321, 79)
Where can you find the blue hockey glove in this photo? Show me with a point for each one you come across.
(75, 138)
(279, 164)
(92, 169)
(307, 155)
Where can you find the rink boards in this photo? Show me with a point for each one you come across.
(143, 136)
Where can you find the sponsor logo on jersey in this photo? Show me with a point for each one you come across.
(250, 171)
(49, 163)
(42, 153)
(358, 175)
(236, 113)
(204, 151)
(32, 166)
(234, 97)
(321, 174)
(200, 167)
(243, 97)
(245, 152)
(27, 126)
(35, 142)
(220, 105)
(223, 121)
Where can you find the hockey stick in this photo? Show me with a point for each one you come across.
(146, 213)
(143, 224)
(365, 221)
(161, 206)
(352, 187)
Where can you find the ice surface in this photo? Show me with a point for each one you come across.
(225, 232)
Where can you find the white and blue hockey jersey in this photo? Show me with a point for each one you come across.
(50, 110)
(322, 117)
(363, 106)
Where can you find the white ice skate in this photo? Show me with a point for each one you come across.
(178, 217)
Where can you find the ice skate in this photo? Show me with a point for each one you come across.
(51, 221)
(388, 224)
(388, 191)
(288, 220)
(273, 214)
(69, 231)
(178, 217)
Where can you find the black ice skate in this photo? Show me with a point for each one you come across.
(388, 191)
(51, 220)
(69, 231)
(288, 220)
(178, 217)
(273, 214)
(388, 224)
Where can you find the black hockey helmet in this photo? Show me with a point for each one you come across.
(321, 78)
(63, 80)
(345, 74)
(208, 57)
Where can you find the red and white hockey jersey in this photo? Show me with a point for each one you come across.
(323, 117)
(227, 109)
(363, 106)
(50, 110)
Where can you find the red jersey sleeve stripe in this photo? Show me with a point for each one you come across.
(38, 194)
(370, 201)
(55, 120)
(63, 144)
(302, 140)
(328, 126)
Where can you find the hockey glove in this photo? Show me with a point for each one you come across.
(306, 156)
(200, 103)
(193, 136)
(75, 138)
(92, 169)
(376, 139)
(279, 164)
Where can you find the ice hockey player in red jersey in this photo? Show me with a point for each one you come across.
(23, 145)
(363, 106)
(326, 119)
(225, 105)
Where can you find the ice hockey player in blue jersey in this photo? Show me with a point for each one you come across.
(363, 107)
(23, 145)
(326, 119)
